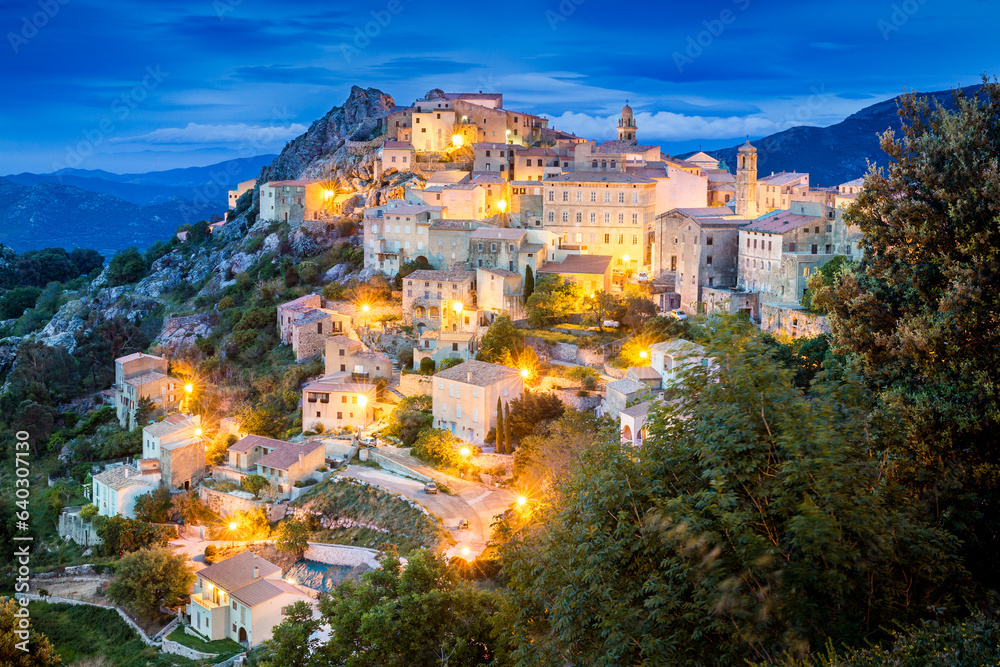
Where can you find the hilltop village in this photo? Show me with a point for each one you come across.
(471, 276)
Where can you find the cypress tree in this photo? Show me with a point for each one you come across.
(506, 435)
(500, 428)
(529, 282)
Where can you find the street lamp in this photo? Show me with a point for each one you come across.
(465, 451)
(457, 141)
(232, 532)
(363, 401)
(521, 501)
(189, 388)
(643, 354)
(458, 307)
(525, 373)
(502, 205)
(466, 552)
(197, 432)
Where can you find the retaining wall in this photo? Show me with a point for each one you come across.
(142, 635)
(333, 554)
(415, 385)
(396, 467)
(183, 651)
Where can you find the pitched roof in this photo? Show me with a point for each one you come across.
(501, 272)
(236, 572)
(678, 346)
(136, 356)
(857, 183)
(145, 378)
(478, 373)
(782, 178)
(643, 373)
(287, 455)
(579, 264)
(494, 146)
(412, 209)
(339, 383)
(486, 177)
(627, 386)
(122, 477)
(181, 444)
(302, 301)
(345, 341)
(598, 177)
(406, 145)
(638, 410)
(171, 425)
(456, 276)
(504, 234)
(246, 443)
(616, 146)
(457, 225)
(448, 176)
(780, 222)
(263, 590)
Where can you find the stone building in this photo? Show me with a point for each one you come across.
(463, 201)
(700, 247)
(397, 155)
(778, 252)
(747, 202)
(440, 300)
(441, 345)
(526, 208)
(601, 213)
(500, 291)
(347, 355)
(178, 444)
(791, 320)
(465, 397)
(626, 126)
(778, 190)
(115, 489)
(510, 249)
(397, 233)
(234, 195)
(592, 272)
(496, 158)
(139, 376)
(534, 164)
(337, 402)
(449, 242)
(295, 201)
(280, 463)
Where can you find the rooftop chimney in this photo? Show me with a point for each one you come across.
(256, 571)
(470, 377)
(301, 457)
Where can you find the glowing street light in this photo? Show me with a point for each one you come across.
(189, 388)
(363, 401)
(458, 307)
(466, 552)
(643, 354)
(625, 260)
(197, 432)
(525, 373)
(502, 205)
(327, 194)
(232, 532)
(465, 451)
(457, 141)
(522, 501)
(366, 308)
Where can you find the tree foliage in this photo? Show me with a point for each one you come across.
(501, 338)
(420, 616)
(292, 537)
(292, 643)
(919, 312)
(153, 507)
(254, 484)
(148, 579)
(39, 653)
(757, 522)
(410, 417)
(120, 534)
(553, 300)
(126, 267)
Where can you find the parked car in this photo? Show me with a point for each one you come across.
(643, 277)
(677, 314)
(431, 488)
(367, 441)
(611, 324)
(463, 524)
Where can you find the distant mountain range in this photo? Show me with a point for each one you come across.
(835, 154)
(158, 187)
(82, 208)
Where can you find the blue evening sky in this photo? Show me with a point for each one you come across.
(157, 84)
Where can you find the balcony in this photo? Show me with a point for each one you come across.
(365, 378)
(205, 602)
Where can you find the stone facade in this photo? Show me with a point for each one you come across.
(786, 319)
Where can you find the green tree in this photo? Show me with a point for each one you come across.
(215, 452)
(36, 650)
(419, 264)
(411, 416)
(420, 616)
(292, 643)
(919, 311)
(553, 299)
(427, 366)
(757, 522)
(438, 447)
(14, 302)
(292, 537)
(500, 338)
(603, 306)
(821, 282)
(529, 282)
(255, 484)
(638, 308)
(144, 409)
(120, 534)
(545, 457)
(153, 507)
(508, 441)
(148, 579)
(528, 413)
(499, 429)
(127, 266)
(86, 260)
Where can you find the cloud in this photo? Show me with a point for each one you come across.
(668, 126)
(195, 133)
(286, 74)
(410, 67)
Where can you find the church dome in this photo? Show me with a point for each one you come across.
(747, 147)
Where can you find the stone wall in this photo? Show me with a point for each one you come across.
(396, 467)
(72, 527)
(183, 651)
(570, 398)
(48, 598)
(415, 385)
(226, 503)
(784, 319)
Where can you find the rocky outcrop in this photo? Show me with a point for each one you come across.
(181, 332)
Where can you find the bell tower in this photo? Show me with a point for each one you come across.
(746, 181)
(626, 126)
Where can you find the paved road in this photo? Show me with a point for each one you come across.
(475, 502)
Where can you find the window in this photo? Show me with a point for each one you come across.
(635, 218)
(621, 197)
(579, 195)
(579, 217)
(552, 216)
(607, 196)
(593, 218)
(791, 247)
(708, 260)
(552, 195)
(711, 281)
(769, 246)
(815, 249)
(593, 196)
(340, 415)
(607, 238)
(458, 411)
(565, 216)
(621, 239)
(565, 195)
(621, 218)
(607, 218)
(635, 239)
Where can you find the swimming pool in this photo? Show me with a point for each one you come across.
(320, 576)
